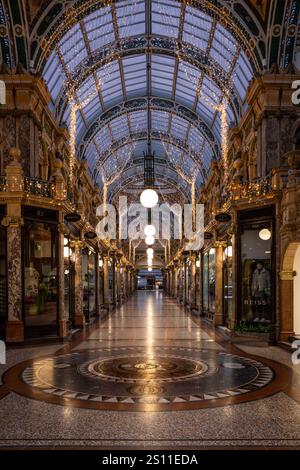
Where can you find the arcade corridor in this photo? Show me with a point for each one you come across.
(150, 375)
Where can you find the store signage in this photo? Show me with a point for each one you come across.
(223, 217)
(208, 235)
(72, 217)
(39, 213)
(90, 235)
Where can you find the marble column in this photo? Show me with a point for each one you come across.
(124, 282)
(114, 279)
(14, 325)
(14, 329)
(77, 246)
(62, 319)
(181, 289)
(118, 283)
(218, 316)
(286, 327)
(175, 280)
(105, 281)
(185, 281)
(193, 300)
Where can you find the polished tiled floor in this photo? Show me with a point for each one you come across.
(150, 375)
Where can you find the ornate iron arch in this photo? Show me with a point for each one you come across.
(160, 104)
(139, 46)
(127, 180)
(53, 21)
(168, 138)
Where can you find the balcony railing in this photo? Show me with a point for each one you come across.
(260, 187)
(38, 187)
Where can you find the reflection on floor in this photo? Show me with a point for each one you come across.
(150, 375)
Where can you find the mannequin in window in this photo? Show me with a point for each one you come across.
(261, 285)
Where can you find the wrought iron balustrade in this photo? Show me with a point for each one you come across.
(38, 187)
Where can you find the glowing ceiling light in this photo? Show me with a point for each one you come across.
(150, 251)
(149, 269)
(149, 198)
(149, 230)
(149, 240)
(264, 234)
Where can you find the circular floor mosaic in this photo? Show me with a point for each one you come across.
(135, 378)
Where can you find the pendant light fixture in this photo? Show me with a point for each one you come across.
(149, 197)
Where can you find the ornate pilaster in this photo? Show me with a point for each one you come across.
(105, 281)
(79, 316)
(286, 328)
(124, 282)
(181, 287)
(114, 278)
(185, 279)
(14, 325)
(175, 279)
(119, 292)
(63, 320)
(14, 222)
(218, 317)
(193, 300)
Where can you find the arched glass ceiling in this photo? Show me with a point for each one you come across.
(173, 139)
(172, 75)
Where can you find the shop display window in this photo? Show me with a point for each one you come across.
(40, 274)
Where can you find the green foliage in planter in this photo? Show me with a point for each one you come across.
(244, 326)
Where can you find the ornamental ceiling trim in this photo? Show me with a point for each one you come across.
(56, 21)
(140, 46)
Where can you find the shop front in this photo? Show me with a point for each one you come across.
(40, 272)
(227, 285)
(89, 279)
(256, 267)
(209, 283)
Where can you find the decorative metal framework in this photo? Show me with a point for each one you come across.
(220, 44)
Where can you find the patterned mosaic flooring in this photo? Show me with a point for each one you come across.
(149, 355)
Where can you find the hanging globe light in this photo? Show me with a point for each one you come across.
(149, 269)
(149, 230)
(149, 240)
(150, 251)
(150, 263)
(149, 198)
(264, 234)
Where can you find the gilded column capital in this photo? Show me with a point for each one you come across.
(13, 222)
(62, 228)
(287, 275)
(77, 244)
(220, 244)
